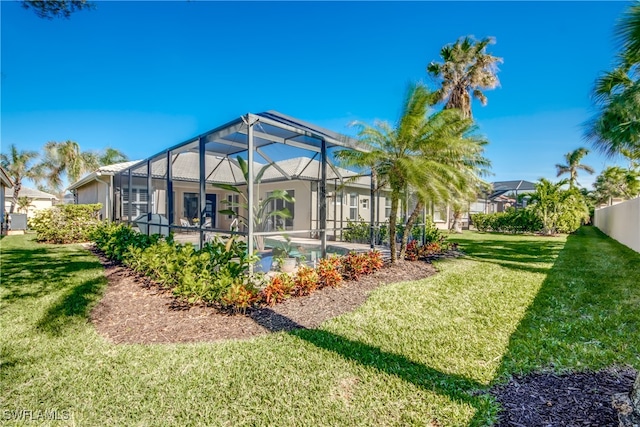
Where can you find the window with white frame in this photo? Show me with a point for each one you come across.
(232, 203)
(276, 222)
(387, 207)
(138, 203)
(353, 207)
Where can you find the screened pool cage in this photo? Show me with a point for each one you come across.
(241, 169)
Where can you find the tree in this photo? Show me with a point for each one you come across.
(24, 203)
(429, 156)
(616, 126)
(65, 162)
(573, 165)
(50, 9)
(110, 156)
(467, 69)
(18, 164)
(559, 210)
(616, 182)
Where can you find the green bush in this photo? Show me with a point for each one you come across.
(196, 275)
(218, 273)
(357, 231)
(66, 223)
(510, 221)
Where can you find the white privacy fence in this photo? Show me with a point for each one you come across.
(621, 222)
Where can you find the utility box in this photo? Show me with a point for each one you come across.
(17, 221)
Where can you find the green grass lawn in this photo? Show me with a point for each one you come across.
(413, 354)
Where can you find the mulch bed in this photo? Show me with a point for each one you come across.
(134, 310)
(577, 399)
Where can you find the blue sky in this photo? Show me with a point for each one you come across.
(143, 76)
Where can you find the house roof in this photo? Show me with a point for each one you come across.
(224, 170)
(270, 128)
(32, 193)
(4, 178)
(102, 170)
(520, 185)
(507, 187)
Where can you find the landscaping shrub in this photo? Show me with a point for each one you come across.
(432, 233)
(413, 251)
(373, 262)
(205, 275)
(279, 288)
(353, 265)
(416, 251)
(240, 296)
(510, 221)
(305, 281)
(218, 273)
(357, 231)
(328, 270)
(65, 223)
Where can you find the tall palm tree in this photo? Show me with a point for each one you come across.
(110, 156)
(616, 126)
(66, 160)
(467, 69)
(18, 164)
(573, 165)
(429, 156)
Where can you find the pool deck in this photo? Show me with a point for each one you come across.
(305, 244)
(333, 246)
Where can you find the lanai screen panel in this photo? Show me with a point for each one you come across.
(186, 183)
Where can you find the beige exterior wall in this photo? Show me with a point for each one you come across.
(95, 192)
(621, 222)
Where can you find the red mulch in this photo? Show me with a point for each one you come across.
(133, 310)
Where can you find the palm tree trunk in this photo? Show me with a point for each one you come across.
(16, 192)
(392, 226)
(408, 227)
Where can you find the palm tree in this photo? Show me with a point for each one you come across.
(65, 159)
(616, 127)
(614, 182)
(24, 203)
(50, 9)
(573, 165)
(429, 156)
(18, 165)
(467, 69)
(110, 156)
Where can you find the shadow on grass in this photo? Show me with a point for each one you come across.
(74, 305)
(517, 255)
(585, 315)
(35, 272)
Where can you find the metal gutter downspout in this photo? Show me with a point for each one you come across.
(107, 207)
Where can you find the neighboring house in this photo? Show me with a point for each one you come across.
(5, 183)
(96, 187)
(39, 200)
(502, 195)
(506, 193)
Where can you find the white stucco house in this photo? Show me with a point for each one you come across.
(38, 200)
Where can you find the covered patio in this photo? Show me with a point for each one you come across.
(183, 189)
